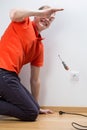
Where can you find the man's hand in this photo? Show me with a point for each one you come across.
(45, 111)
(48, 12)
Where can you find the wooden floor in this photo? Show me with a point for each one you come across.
(44, 122)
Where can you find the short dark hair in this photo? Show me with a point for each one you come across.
(44, 7)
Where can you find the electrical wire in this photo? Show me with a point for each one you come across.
(74, 124)
(78, 126)
(62, 112)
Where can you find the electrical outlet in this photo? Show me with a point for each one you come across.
(74, 75)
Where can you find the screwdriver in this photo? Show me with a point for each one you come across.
(63, 63)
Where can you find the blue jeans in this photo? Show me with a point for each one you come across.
(15, 99)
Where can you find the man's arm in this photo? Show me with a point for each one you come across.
(18, 15)
(35, 87)
(35, 82)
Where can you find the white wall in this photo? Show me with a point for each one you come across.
(68, 37)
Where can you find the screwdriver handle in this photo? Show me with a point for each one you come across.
(65, 66)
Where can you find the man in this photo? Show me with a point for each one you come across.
(21, 44)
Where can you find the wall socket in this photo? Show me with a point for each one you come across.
(74, 75)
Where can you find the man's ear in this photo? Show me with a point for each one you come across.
(35, 17)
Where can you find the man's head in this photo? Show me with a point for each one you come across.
(43, 23)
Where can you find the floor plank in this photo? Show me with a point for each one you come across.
(44, 122)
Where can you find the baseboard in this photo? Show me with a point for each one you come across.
(66, 109)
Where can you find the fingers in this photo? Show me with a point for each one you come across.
(46, 111)
(49, 111)
(56, 10)
(60, 9)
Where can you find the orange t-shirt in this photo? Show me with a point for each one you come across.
(20, 44)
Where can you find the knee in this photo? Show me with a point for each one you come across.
(30, 115)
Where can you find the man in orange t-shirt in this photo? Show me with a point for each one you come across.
(20, 44)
